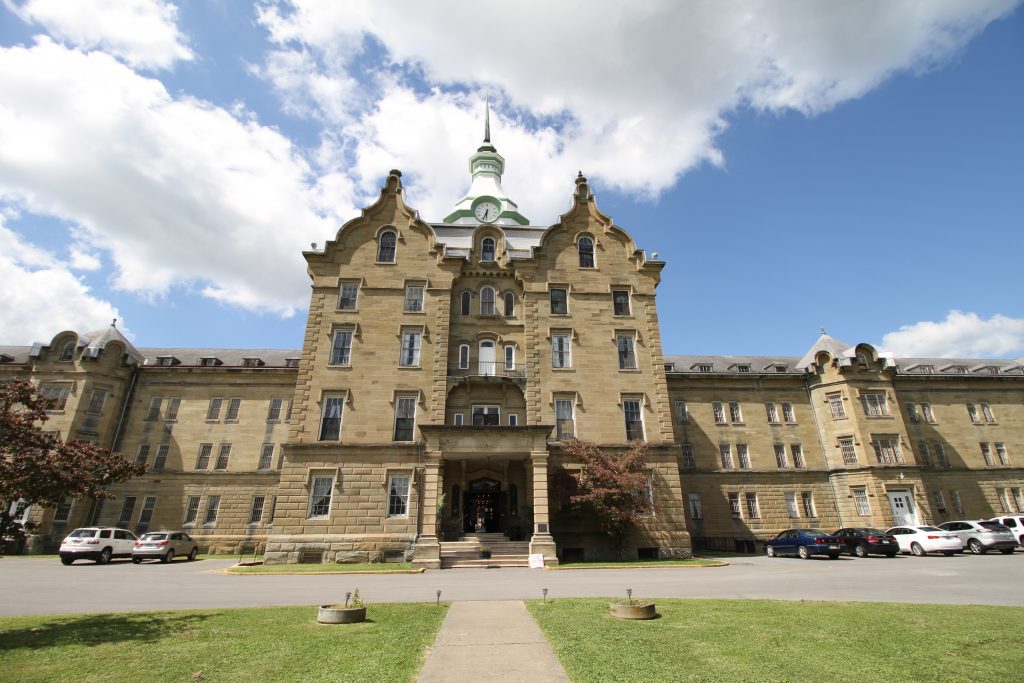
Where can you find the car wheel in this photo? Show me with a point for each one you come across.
(803, 553)
(860, 550)
(136, 560)
(192, 555)
(976, 547)
(890, 555)
(66, 560)
(1006, 551)
(104, 556)
(917, 549)
(833, 556)
(169, 557)
(769, 550)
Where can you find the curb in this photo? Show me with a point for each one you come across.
(717, 563)
(364, 571)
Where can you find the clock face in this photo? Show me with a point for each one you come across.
(486, 212)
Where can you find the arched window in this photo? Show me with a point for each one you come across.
(466, 298)
(68, 352)
(386, 247)
(510, 305)
(510, 358)
(487, 249)
(586, 249)
(456, 500)
(464, 356)
(487, 301)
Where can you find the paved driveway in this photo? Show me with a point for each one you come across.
(44, 586)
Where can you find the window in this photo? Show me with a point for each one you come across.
(744, 456)
(223, 455)
(565, 427)
(743, 368)
(634, 421)
(972, 410)
(798, 456)
(510, 305)
(252, 362)
(487, 300)
(1004, 459)
(191, 510)
(266, 457)
(735, 414)
(510, 358)
(875, 405)
(234, 405)
(940, 455)
(1018, 499)
(940, 502)
(320, 497)
(954, 498)
(688, 460)
(912, 413)
(561, 356)
(410, 357)
(55, 396)
(165, 361)
(330, 418)
(513, 420)
(734, 505)
(256, 511)
(209, 362)
(127, 507)
(466, 302)
(926, 413)
(835, 403)
(348, 296)
(486, 416)
(719, 413)
(212, 508)
(807, 500)
(341, 350)
(682, 414)
(414, 298)
(171, 412)
(860, 501)
(487, 249)
(771, 412)
(780, 456)
(725, 452)
(1004, 500)
(67, 352)
(849, 451)
(62, 512)
(753, 511)
(791, 507)
(386, 247)
(161, 457)
(457, 419)
(627, 355)
(398, 495)
(620, 301)
(142, 454)
(213, 411)
(559, 301)
(274, 411)
(924, 455)
(203, 459)
(405, 418)
(154, 408)
(986, 411)
(695, 509)
(146, 516)
(705, 367)
(888, 451)
(464, 356)
(273, 509)
(787, 412)
(585, 246)
(96, 401)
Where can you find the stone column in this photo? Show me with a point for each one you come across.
(541, 542)
(427, 551)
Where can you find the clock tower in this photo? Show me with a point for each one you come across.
(486, 203)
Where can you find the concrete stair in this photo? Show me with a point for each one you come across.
(465, 553)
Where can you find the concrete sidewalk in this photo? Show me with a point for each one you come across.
(491, 641)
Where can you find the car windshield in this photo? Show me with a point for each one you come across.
(929, 528)
(994, 526)
(154, 537)
(83, 533)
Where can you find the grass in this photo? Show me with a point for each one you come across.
(734, 640)
(620, 564)
(321, 568)
(279, 643)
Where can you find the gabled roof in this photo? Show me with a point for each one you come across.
(833, 346)
(97, 341)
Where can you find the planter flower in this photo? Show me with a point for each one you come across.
(353, 611)
(485, 553)
(632, 609)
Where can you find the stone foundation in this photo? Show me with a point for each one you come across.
(340, 548)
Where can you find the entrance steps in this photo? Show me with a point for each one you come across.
(465, 552)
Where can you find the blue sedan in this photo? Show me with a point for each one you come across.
(804, 542)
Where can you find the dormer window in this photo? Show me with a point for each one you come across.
(779, 368)
(4, 358)
(487, 249)
(251, 362)
(585, 245)
(67, 352)
(166, 361)
(926, 369)
(705, 367)
(959, 369)
(291, 362)
(386, 247)
(209, 362)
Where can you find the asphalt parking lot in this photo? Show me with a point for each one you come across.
(44, 586)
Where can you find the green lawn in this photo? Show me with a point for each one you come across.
(617, 564)
(265, 644)
(321, 568)
(761, 640)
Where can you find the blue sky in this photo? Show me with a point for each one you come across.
(806, 165)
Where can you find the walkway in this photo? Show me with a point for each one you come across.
(491, 641)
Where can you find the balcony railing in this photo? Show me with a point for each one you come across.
(517, 371)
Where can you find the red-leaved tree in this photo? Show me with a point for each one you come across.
(612, 485)
(38, 468)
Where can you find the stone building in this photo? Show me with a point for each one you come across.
(444, 363)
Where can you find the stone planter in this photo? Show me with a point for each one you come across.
(637, 611)
(339, 614)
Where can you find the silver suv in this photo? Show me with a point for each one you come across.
(983, 536)
(99, 543)
(164, 546)
(1016, 524)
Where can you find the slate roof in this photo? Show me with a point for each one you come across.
(274, 358)
(17, 354)
(458, 239)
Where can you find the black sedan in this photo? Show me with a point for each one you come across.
(864, 541)
(804, 542)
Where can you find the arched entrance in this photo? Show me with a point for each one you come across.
(483, 506)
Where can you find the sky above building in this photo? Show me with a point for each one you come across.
(803, 165)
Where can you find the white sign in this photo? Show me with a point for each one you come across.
(536, 561)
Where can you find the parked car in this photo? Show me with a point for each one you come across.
(921, 540)
(981, 537)
(1015, 523)
(164, 546)
(99, 543)
(804, 542)
(864, 541)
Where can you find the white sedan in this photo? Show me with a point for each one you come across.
(921, 540)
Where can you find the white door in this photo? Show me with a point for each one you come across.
(487, 358)
(903, 511)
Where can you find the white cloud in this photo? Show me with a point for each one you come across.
(960, 335)
(175, 190)
(142, 32)
(40, 292)
(645, 87)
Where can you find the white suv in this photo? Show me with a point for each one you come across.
(99, 543)
(1016, 524)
